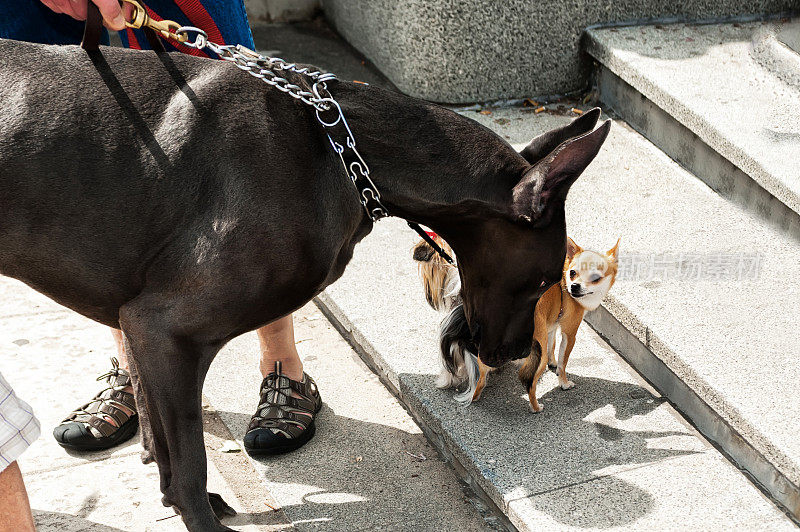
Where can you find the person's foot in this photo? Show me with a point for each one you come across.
(284, 420)
(104, 422)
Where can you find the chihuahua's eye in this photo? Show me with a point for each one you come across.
(573, 274)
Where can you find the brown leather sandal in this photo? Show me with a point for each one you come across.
(88, 428)
(282, 422)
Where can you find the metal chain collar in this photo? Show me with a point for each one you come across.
(267, 69)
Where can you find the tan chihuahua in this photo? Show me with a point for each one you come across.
(588, 276)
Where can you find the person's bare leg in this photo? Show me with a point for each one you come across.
(16, 513)
(123, 364)
(277, 344)
(123, 359)
(281, 425)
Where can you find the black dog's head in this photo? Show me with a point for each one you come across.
(513, 260)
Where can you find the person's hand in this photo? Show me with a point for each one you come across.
(110, 9)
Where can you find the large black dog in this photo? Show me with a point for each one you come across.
(186, 203)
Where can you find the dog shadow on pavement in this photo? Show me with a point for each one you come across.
(570, 461)
(60, 522)
(570, 456)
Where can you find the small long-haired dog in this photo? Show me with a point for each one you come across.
(442, 287)
(587, 278)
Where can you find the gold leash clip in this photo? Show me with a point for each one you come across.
(139, 19)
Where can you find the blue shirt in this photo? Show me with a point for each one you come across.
(30, 20)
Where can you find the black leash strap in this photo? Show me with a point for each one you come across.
(431, 242)
(93, 28)
(93, 31)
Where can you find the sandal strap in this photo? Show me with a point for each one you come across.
(111, 402)
(126, 399)
(102, 426)
(110, 410)
(306, 388)
(279, 411)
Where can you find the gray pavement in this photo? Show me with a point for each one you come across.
(369, 467)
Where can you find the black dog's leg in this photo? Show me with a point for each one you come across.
(170, 370)
(144, 422)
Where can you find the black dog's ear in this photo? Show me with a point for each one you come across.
(545, 186)
(542, 145)
(423, 252)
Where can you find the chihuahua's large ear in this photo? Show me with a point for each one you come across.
(572, 248)
(613, 253)
(545, 186)
(542, 145)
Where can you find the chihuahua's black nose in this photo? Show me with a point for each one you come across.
(575, 289)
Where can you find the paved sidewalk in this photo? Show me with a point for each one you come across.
(363, 470)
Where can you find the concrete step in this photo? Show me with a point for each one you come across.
(611, 453)
(720, 99)
(699, 314)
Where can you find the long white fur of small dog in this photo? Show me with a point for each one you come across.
(442, 287)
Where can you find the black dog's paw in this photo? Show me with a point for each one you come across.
(147, 457)
(220, 507)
